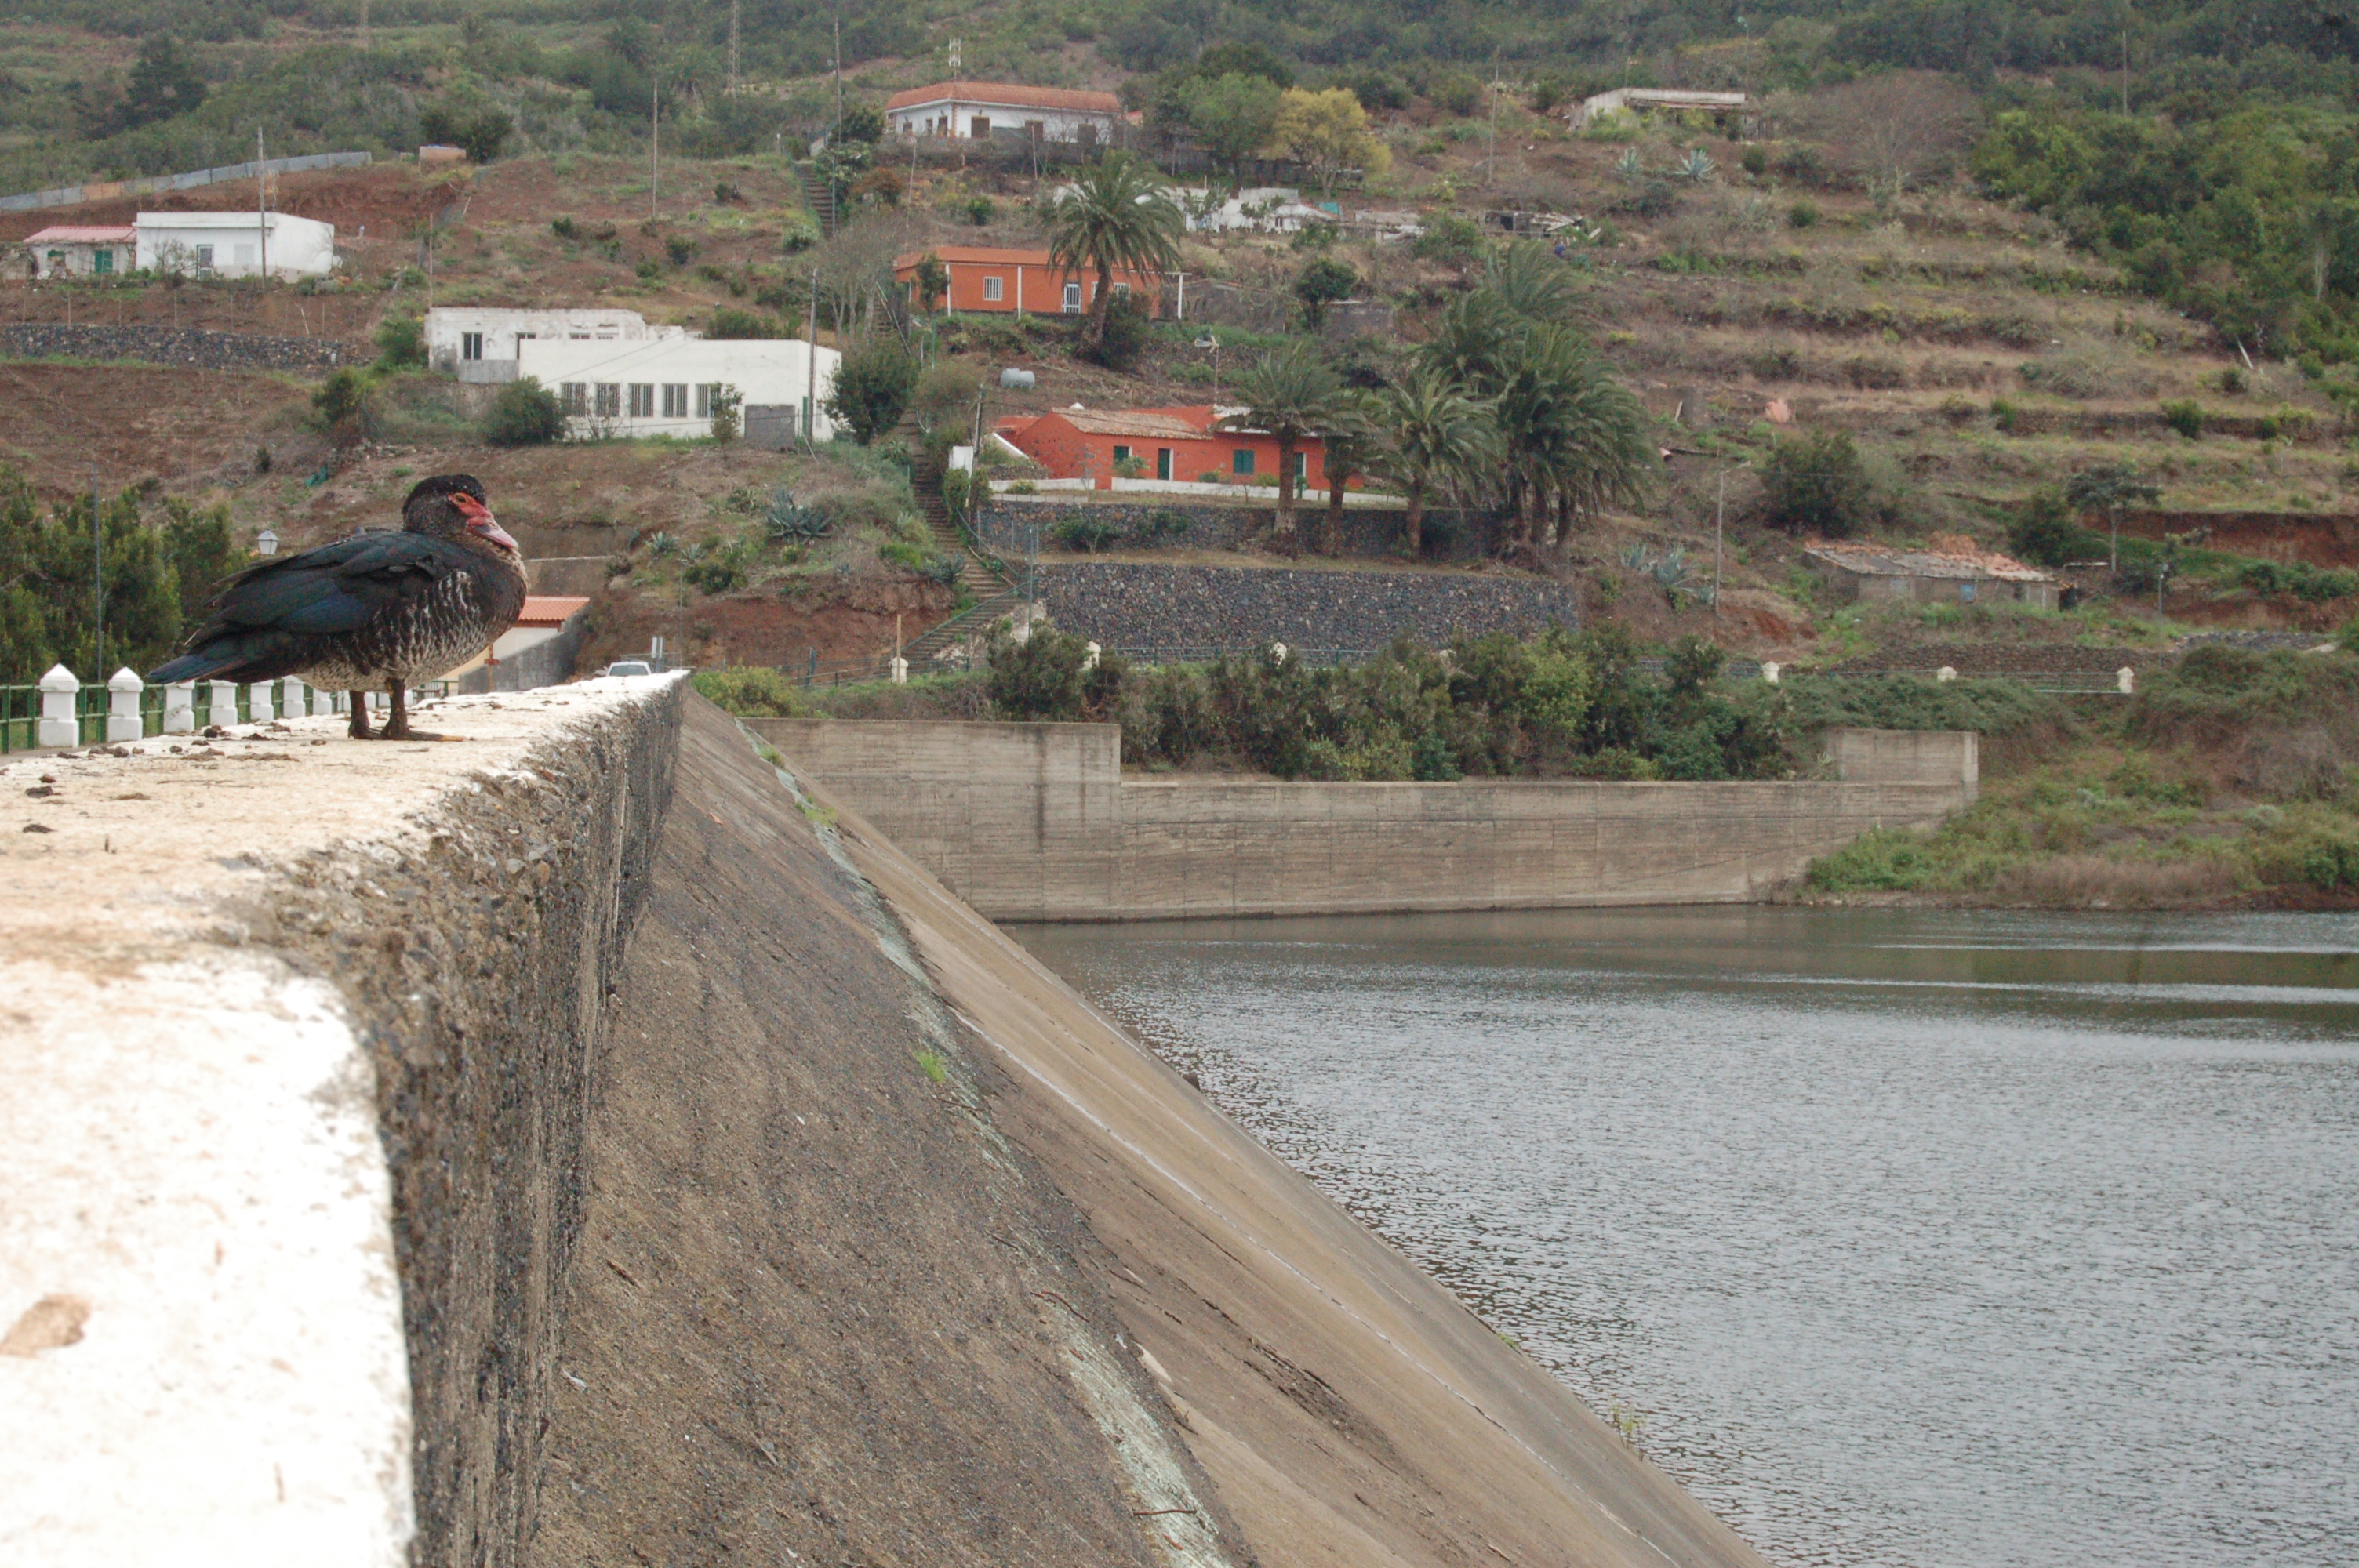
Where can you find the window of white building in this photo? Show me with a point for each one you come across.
(676, 400)
(643, 400)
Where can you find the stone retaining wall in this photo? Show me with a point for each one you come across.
(188, 347)
(1132, 606)
(1013, 528)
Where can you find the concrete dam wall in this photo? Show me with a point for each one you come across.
(1037, 821)
(588, 1142)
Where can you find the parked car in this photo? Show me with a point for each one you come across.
(630, 667)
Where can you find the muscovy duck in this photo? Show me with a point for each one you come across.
(377, 610)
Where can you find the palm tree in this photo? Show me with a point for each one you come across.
(1115, 215)
(1351, 446)
(1292, 396)
(1533, 284)
(1575, 439)
(1432, 439)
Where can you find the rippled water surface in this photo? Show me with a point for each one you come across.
(1917, 1238)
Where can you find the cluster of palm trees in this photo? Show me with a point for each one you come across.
(1507, 401)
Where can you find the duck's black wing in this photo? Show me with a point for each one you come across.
(281, 616)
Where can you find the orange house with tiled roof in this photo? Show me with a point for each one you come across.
(1166, 443)
(993, 280)
(982, 109)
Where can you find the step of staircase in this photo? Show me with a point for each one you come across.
(820, 199)
(944, 638)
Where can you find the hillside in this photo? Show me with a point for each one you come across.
(1823, 266)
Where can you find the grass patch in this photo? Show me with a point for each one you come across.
(931, 1063)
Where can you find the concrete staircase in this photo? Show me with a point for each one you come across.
(819, 196)
(994, 595)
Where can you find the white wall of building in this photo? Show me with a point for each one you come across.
(229, 244)
(960, 115)
(457, 333)
(605, 385)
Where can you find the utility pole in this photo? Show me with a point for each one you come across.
(364, 34)
(655, 143)
(97, 578)
(2125, 73)
(839, 74)
(810, 375)
(262, 206)
(1719, 531)
(732, 45)
(1491, 171)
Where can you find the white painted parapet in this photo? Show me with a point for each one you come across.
(290, 698)
(221, 703)
(180, 708)
(122, 722)
(204, 1356)
(257, 703)
(58, 726)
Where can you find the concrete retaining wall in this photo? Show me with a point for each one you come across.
(1035, 821)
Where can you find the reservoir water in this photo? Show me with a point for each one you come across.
(1912, 1238)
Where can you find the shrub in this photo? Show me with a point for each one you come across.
(730, 322)
(2232, 380)
(1321, 283)
(2044, 531)
(1128, 332)
(2185, 416)
(1455, 92)
(401, 342)
(1756, 162)
(483, 137)
(1802, 214)
(800, 231)
(727, 195)
(1450, 238)
(524, 414)
(1089, 536)
(1041, 678)
(872, 386)
(679, 249)
(981, 210)
(342, 403)
(565, 228)
(1817, 484)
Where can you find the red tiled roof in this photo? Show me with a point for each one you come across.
(551, 610)
(84, 234)
(987, 254)
(994, 94)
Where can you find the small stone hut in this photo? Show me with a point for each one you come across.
(1957, 576)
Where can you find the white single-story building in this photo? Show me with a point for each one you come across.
(1623, 98)
(982, 109)
(231, 244)
(1261, 208)
(666, 386)
(69, 250)
(479, 343)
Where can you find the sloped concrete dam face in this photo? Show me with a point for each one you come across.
(590, 1143)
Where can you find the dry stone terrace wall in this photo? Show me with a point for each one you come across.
(1008, 527)
(1130, 606)
(188, 347)
(1035, 821)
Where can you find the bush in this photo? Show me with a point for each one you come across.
(800, 232)
(342, 403)
(2044, 531)
(732, 324)
(401, 342)
(1817, 484)
(1756, 162)
(1802, 214)
(2185, 416)
(863, 123)
(524, 414)
(1041, 679)
(872, 386)
(751, 692)
(678, 249)
(1127, 333)
(1088, 535)
(981, 210)
(1450, 238)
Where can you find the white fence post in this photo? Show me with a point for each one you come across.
(259, 709)
(1770, 671)
(290, 699)
(1090, 652)
(1946, 673)
(180, 708)
(221, 703)
(899, 669)
(2126, 679)
(122, 722)
(59, 726)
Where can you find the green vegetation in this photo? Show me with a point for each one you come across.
(872, 387)
(2230, 776)
(524, 414)
(1114, 216)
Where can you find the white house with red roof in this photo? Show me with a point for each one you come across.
(83, 250)
(982, 109)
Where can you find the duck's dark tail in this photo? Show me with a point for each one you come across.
(247, 656)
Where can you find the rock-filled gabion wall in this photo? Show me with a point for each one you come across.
(185, 346)
(1168, 606)
(1006, 528)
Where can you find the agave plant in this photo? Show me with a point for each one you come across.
(663, 545)
(1699, 168)
(1629, 167)
(786, 519)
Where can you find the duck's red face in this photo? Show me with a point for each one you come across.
(480, 521)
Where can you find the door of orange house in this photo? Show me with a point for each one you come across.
(1163, 462)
